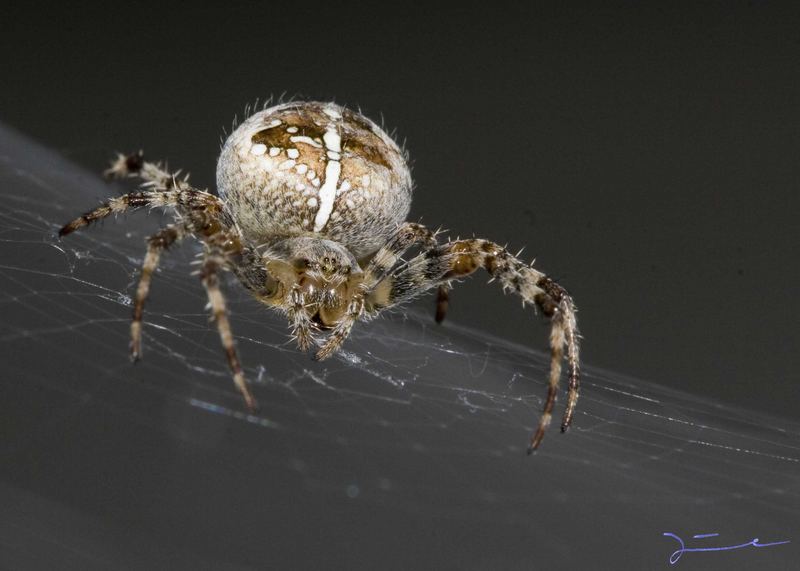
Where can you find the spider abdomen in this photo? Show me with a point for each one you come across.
(310, 168)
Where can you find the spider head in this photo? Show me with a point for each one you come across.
(322, 270)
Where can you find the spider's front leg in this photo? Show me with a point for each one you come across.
(460, 258)
(302, 325)
(381, 264)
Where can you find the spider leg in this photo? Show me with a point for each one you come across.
(442, 301)
(342, 330)
(185, 198)
(406, 236)
(213, 260)
(384, 260)
(301, 323)
(156, 244)
(134, 165)
(459, 259)
(563, 333)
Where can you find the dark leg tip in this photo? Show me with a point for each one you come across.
(442, 303)
(324, 353)
(134, 162)
(536, 440)
(125, 165)
(70, 228)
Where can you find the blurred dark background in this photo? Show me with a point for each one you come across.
(645, 155)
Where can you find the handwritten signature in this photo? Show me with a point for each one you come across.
(673, 559)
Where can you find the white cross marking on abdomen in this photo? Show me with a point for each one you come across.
(333, 170)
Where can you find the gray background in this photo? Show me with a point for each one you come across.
(644, 154)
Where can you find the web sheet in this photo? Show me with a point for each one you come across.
(406, 450)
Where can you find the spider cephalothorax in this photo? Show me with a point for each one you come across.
(311, 218)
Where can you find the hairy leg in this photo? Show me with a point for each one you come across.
(200, 214)
(213, 261)
(460, 258)
(298, 316)
(407, 236)
(186, 199)
(164, 189)
(384, 260)
(342, 330)
(153, 174)
(156, 244)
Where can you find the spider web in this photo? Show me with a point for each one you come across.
(406, 450)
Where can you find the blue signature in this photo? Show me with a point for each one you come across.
(673, 559)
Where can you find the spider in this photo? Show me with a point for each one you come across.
(310, 217)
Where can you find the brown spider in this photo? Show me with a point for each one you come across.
(310, 217)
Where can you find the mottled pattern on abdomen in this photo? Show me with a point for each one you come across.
(314, 169)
